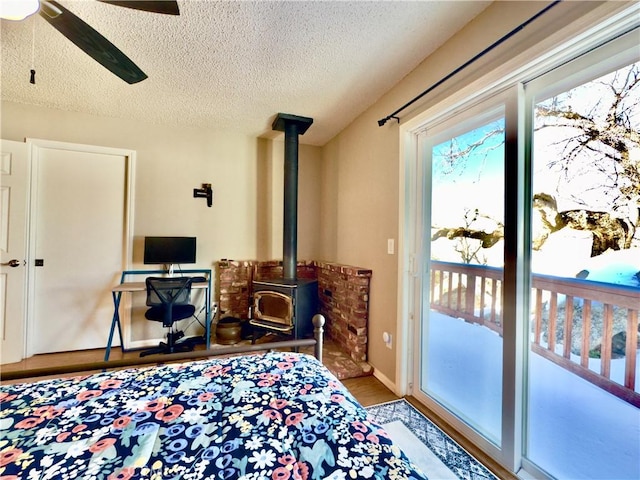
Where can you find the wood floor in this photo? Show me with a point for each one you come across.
(368, 390)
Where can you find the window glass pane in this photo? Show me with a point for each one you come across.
(584, 367)
(462, 340)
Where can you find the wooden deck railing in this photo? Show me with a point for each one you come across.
(585, 313)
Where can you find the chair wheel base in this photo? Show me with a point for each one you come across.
(171, 346)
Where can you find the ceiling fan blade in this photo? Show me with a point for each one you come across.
(168, 7)
(92, 43)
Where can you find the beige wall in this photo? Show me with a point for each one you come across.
(361, 165)
(171, 162)
(271, 199)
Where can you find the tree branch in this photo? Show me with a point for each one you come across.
(487, 239)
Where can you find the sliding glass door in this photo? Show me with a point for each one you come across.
(584, 367)
(524, 220)
(462, 367)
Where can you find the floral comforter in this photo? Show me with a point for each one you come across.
(273, 416)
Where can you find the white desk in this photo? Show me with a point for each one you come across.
(140, 286)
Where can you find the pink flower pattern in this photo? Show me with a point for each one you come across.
(279, 415)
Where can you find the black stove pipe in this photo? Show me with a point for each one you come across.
(292, 126)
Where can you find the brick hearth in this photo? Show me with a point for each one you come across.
(343, 292)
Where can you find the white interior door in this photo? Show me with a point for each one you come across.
(14, 165)
(79, 243)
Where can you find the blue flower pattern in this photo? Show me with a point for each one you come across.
(274, 416)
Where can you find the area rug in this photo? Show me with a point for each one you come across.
(432, 450)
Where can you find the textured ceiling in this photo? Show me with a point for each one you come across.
(232, 65)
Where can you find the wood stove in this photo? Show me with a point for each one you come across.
(287, 304)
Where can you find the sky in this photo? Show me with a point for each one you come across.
(479, 176)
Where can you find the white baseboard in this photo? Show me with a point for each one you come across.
(385, 381)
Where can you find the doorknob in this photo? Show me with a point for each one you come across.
(11, 263)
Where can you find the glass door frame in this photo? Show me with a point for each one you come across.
(418, 183)
(607, 57)
(413, 271)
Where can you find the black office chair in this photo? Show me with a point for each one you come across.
(169, 301)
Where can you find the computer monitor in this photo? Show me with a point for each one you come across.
(169, 251)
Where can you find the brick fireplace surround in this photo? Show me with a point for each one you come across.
(343, 293)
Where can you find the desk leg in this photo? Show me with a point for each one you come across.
(208, 316)
(114, 321)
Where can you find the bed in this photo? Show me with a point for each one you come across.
(276, 415)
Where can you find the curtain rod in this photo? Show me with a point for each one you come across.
(393, 115)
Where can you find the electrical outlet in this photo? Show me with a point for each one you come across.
(391, 246)
(388, 339)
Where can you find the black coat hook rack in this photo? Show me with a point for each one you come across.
(205, 192)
